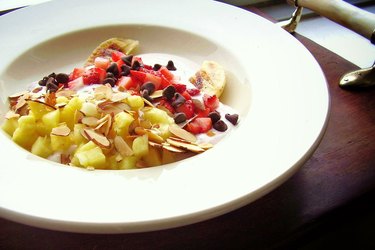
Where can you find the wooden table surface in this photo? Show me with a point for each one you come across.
(333, 191)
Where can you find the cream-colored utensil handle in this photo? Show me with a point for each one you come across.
(349, 16)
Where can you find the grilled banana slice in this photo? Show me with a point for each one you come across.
(126, 46)
(210, 78)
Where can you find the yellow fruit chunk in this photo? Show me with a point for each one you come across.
(67, 114)
(25, 135)
(60, 143)
(10, 125)
(135, 102)
(128, 162)
(42, 147)
(77, 134)
(140, 146)
(122, 123)
(155, 116)
(51, 120)
(39, 109)
(92, 158)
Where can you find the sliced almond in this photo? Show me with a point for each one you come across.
(103, 92)
(60, 105)
(157, 94)
(182, 133)
(152, 135)
(66, 93)
(119, 96)
(155, 144)
(11, 114)
(122, 147)
(20, 103)
(90, 121)
(148, 102)
(205, 145)
(97, 138)
(17, 95)
(191, 147)
(37, 89)
(47, 106)
(171, 148)
(78, 116)
(50, 99)
(61, 131)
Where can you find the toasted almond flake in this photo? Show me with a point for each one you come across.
(157, 94)
(152, 135)
(210, 133)
(90, 121)
(11, 114)
(119, 96)
(62, 130)
(148, 102)
(66, 93)
(122, 147)
(20, 103)
(191, 147)
(19, 94)
(172, 148)
(155, 144)
(182, 133)
(118, 157)
(205, 145)
(50, 99)
(65, 159)
(97, 138)
(103, 92)
(60, 105)
(37, 89)
(182, 125)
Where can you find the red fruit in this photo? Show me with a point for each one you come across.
(167, 105)
(166, 73)
(180, 88)
(126, 83)
(116, 55)
(93, 76)
(193, 92)
(187, 108)
(156, 80)
(77, 72)
(199, 125)
(211, 102)
(186, 95)
(203, 113)
(139, 75)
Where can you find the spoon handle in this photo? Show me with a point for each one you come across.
(349, 16)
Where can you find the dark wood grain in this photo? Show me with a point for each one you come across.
(336, 184)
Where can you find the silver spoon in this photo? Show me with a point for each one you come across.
(351, 17)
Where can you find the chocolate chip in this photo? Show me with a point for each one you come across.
(62, 78)
(109, 80)
(136, 65)
(125, 70)
(220, 126)
(52, 75)
(170, 65)
(43, 82)
(149, 86)
(178, 100)
(215, 116)
(113, 68)
(51, 86)
(156, 66)
(127, 59)
(169, 92)
(179, 117)
(232, 118)
(146, 95)
(110, 75)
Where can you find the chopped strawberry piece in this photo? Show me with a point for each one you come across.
(166, 105)
(138, 75)
(193, 92)
(187, 108)
(77, 72)
(211, 102)
(93, 76)
(203, 113)
(156, 80)
(180, 88)
(186, 95)
(199, 125)
(126, 83)
(116, 55)
(166, 73)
